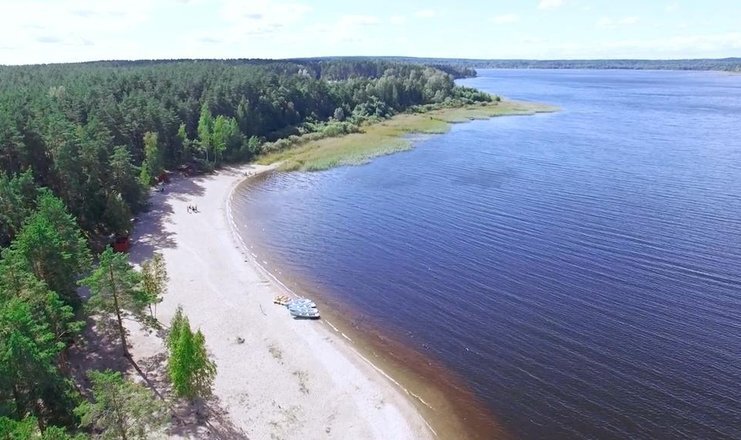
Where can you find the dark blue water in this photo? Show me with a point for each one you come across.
(582, 270)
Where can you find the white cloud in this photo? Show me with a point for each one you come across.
(611, 23)
(73, 30)
(550, 4)
(692, 45)
(350, 21)
(397, 19)
(426, 13)
(261, 16)
(506, 18)
(36, 26)
(347, 29)
(677, 46)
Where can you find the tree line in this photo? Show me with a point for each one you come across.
(732, 64)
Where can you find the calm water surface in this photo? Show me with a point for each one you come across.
(582, 270)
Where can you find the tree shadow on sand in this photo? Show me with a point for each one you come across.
(150, 232)
(206, 419)
(100, 349)
(100, 345)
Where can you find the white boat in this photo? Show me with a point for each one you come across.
(309, 313)
(300, 302)
(302, 308)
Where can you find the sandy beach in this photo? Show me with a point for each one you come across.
(278, 378)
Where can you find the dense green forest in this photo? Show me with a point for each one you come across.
(80, 145)
(94, 132)
(722, 64)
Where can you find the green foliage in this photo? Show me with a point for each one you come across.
(191, 371)
(53, 246)
(36, 323)
(123, 179)
(205, 127)
(57, 433)
(177, 323)
(17, 430)
(154, 281)
(250, 148)
(225, 137)
(17, 200)
(30, 382)
(117, 214)
(145, 179)
(314, 151)
(18, 282)
(339, 114)
(153, 159)
(115, 287)
(187, 146)
(467, 95)
(121, 409)
(28, 429)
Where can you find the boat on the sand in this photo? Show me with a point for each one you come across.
(299, 307)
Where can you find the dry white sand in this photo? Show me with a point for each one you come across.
(289, 379)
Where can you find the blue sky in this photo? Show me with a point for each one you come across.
(38, 31)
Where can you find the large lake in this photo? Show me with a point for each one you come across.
(581, 270)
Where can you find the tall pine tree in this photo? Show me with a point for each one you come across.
(54, 247)
(115, 287)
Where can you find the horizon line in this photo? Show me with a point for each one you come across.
(392, 57)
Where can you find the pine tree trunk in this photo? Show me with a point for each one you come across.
(121, 329)
(18, 403)
(39, 420)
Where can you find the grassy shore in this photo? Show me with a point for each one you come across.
(388, 136)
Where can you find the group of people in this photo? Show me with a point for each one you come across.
(193, 209)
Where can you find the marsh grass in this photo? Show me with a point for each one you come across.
(388, 136)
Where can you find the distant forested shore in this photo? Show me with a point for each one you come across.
(721, 64)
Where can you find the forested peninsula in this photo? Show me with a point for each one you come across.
(80, 147)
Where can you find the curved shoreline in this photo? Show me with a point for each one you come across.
(283, 287)
(276, 377)
(387, 136)
(447, 406)
(361, 394)
(286, 289)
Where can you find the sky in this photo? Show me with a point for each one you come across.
(51, 31)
